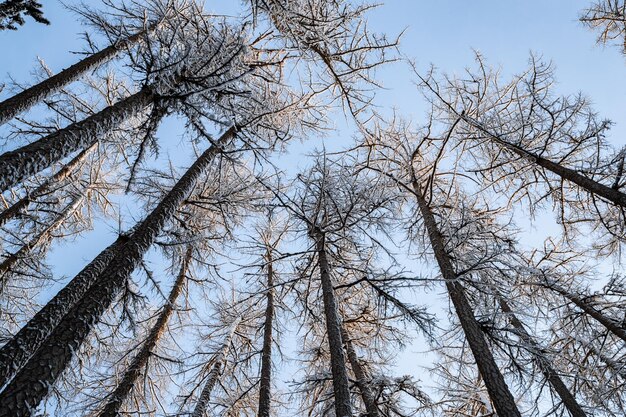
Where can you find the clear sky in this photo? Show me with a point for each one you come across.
(440, 32)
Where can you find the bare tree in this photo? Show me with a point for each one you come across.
(608, 18)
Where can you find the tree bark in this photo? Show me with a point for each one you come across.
(616, 197)
(363, 380)
(12, 259)
(611, 325)
(553, 378)
(24, 100)
(341, 385)
(21, 205)
(31, 385)
(497, 388)
(265, 388)
(139, 362)
(21, 163)
(214, 374)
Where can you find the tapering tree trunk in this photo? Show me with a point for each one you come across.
(494, 381)
(24, 100)
(138, 364)
(616, 197)
(20, 207)
(21, 163)
(12, 259)
(214, 374)
(265, 398)
(363, 381)
(341, 385)
(611, 325)
(16, 352)
(553, 378)
(31, 385)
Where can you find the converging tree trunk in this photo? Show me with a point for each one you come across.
(265, 388)
(20, 207)
(26, 99)
(341, 385)
(363, 381)
(139, 362)
(16, 352)
(11, 260)
(214, 373)
(31, 385)
(21, 163)
(494, 381)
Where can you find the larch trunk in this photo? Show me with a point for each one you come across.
(21, 163)
(139, 362)
(363, 381)
(341, 385)
(20, 207)
(16, 352)
(265, 388)
(26, 99)
(497, 388)
(214, 374)
(31, 385)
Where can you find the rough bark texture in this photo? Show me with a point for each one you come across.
(265, 398)
(341, 386)
(31, 385)
(362, 378)
(553, 378)
(30, 159)
(9, 262)
(611, 325)
(616, 197)
(497, 388)
(24, 100)
(25, 343)
(21, 205)
(139, 362)
(214, 374)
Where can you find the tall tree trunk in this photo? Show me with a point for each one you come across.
(616, 197)
(363, 381)
(117, 397)
(553, 378)
(16, 352)
(265, 388)
(214, 374)
(31, 385)
(24, 100)
(610, 324)
(341, 385)
(30, 159)
(494, 381)
(9, 262)
(21, 205)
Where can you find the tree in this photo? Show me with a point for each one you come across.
(608, 18)
(11, 12)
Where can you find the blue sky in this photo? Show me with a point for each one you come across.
(444, 33)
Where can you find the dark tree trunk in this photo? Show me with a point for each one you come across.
(616, 197)
(363, 381)
(494, 381)
(16, 352)
(135, 369)
(265, 398)
(341, 385)
(24, 100)
(20, 207)
(30, 159)
(31, 385)
(553, 378)
(611, 325)
(12, 259)
(214, 374)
